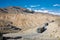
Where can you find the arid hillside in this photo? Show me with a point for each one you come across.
(27, 22)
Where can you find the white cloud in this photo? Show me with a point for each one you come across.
(56, 5)
(45, 11)
(42, 8)
(55, 13)
(34, 5)
(29, 8)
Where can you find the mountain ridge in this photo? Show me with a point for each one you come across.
(26, 22)
(15, 9)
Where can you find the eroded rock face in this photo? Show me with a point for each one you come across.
(28, 23)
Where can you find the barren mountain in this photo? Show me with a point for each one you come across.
(30, 25)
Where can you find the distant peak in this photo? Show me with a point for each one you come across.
(15, 9)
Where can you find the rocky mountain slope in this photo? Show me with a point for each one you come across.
(30, 25)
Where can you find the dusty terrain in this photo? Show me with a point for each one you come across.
(29, 22)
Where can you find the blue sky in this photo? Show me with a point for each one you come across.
(52, 6)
